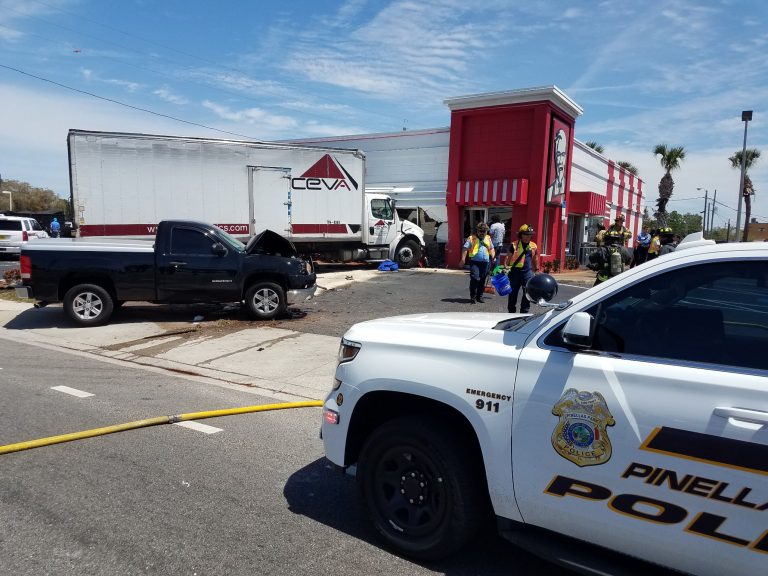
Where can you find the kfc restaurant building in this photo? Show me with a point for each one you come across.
(511, 154)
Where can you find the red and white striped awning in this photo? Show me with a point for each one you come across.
(504, 192)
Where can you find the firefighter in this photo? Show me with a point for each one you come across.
(479, 249)
(610, 259)
(618, 227)
(523, 263)
(667, 241)
(655, 247)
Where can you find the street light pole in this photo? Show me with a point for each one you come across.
(10, 199)
(746, 116)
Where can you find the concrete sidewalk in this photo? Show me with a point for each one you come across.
(276, 362)
(282, 364)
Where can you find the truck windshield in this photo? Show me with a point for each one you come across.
(231, 241)
(382, 208)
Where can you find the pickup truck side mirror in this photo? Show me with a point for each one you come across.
(219, 249)
(577, 331)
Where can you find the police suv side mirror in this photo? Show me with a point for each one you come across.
(219, 249)
(577, 331)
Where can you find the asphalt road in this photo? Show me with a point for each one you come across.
(254, 497)
(394, 293)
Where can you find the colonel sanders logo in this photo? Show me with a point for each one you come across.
(580, 436)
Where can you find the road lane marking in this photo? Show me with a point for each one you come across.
(204, 428)
(71, 391)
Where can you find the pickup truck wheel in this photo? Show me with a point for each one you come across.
(422, 489)
(88, 304)
(265, 300)
(408, 254)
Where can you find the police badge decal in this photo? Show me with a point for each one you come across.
(580, 436)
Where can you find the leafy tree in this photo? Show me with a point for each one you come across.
(693, 223)
(670, 160)
(595, 146)
(750, 157)
(628, 166)
(28, 198)
(718, 234)
(677, 222)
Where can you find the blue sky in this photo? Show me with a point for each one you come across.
(645, 73)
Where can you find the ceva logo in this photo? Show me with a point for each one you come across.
(325, 174)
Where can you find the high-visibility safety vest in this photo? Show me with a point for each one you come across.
(474, 245)
(519, 250)
(655, 245)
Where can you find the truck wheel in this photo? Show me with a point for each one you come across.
(88, 304)
(265, 300)
(408, 254)
(422, 487)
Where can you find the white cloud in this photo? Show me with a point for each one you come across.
(130, 86)
(252, 116)
(168, 96)
(418, 47)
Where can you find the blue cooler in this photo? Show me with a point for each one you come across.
(501, 284)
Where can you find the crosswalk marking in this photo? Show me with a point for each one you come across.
(204, 428)
(71, 391)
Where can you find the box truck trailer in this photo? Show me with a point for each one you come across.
(123, 184)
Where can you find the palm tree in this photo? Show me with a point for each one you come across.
(750, 157)
(595, 146)
(628, 166)
(670, 160)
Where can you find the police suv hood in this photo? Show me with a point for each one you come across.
(444, 330)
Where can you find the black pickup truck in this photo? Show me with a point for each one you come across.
(188, 262)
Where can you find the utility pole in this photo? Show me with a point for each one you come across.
(728, 231)
(704, 220)
(712, 213)
(746, 116)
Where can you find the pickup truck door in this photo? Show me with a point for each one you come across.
(191, 271)
(654, 442)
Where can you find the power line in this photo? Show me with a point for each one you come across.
(113, 101)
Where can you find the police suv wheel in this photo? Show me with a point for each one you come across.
(88, 304)
(265, 300)
(423, 493)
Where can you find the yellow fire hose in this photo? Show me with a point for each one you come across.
(19, 446)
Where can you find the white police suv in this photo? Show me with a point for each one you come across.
(626, 426)
(14, 230)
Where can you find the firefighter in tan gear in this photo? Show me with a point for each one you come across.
(610, 259)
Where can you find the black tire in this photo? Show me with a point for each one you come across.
(408, 254)
(88, 305)
(423, 487)
(265, 300)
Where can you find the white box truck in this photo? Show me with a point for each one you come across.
(123, 184)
